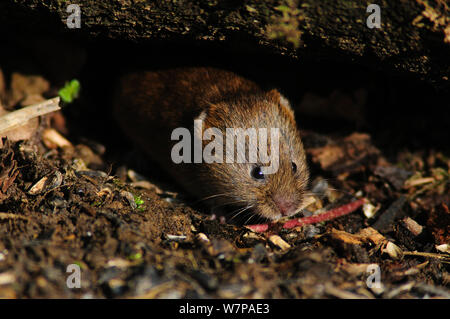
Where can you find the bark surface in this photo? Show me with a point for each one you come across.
(414, 37)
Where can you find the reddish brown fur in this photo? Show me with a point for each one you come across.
(149, 105)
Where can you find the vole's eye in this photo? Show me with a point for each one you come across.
(294, 167)
(257, 173)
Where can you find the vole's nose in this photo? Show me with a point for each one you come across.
(286, 206)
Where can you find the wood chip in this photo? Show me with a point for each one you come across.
(278, 241)
(52, 139)
(202, 238)
(445, 248)
(346, 237)
(355, 269)
(119, 263)
(364, 235)
(372, 234)
(418, 181)
(7, 278)
(177, 238)
(343, 294)
(369, 210)
(392, 250)
(412, 226)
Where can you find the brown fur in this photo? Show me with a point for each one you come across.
(149, 105)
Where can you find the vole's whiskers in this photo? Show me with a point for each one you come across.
(248, 220)
(240, 211)
(212, 196)
(329, 187)
(341, 191)
(230, 203)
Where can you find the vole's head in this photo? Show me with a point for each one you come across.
(267, 188)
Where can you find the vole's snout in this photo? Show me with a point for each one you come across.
(286, 206)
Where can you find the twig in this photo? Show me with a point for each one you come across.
(340, 293)
(430, 255)
(259, 228)
(23, 115)
(331, 214)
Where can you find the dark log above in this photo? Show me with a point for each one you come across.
(414, 37)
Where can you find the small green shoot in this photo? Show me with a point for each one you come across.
(79, 264)
(139, 202)
(70, 91)
(97, 204)
(136, 256)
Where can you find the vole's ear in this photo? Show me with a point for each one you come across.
(205, 116)
(277, 97)
(198, 129)
(202, 116)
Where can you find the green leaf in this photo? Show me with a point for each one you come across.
(136, 256)
(283, 8)
(70, 91)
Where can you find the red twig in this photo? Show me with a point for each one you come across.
(331, 214)
(259, 228)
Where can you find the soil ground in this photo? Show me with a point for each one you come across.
(135, 236)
